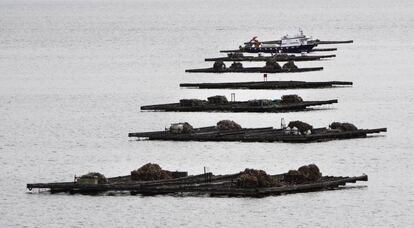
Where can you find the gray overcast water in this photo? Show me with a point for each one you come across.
(73, 75)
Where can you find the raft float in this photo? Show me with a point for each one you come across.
(221, 104)
(151, 180)
(227, 130)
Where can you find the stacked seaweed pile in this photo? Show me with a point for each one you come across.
(302, 127)
(150, 172)
(254, 178)
(271, 64)
(228, 125)
(236, 66)
(293, 98)
(92, 178)
(219, 66)
(217, 100)
(305, 174)
(181, 128)
(343, 126)
(290, 65)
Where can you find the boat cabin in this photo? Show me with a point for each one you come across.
(297, 40)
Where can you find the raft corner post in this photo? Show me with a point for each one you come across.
(233, 97)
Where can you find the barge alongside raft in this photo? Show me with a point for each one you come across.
(150, 179)
(221, 104)
(287, 44)
(227, 130)
(268, 85)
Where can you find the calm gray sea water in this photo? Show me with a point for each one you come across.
(73, 75)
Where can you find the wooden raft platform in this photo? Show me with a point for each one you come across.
(324, 49)
(278, 57)
(267, 85)
(279, 105)
(271, 50)
(253, 70)
(203, 184)
(268, 134)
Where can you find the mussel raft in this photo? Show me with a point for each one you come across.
(239, 57)
(268, 85)
(227, 130)
(271, 67)
(273, 50)
(221, 104)
(150, 179)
